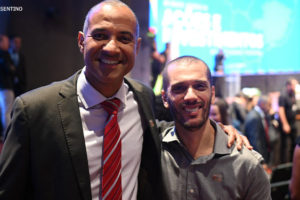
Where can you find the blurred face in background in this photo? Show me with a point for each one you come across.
(294, 84)
(16, 44)
(266, 106)
(4, 43)
(215, 113)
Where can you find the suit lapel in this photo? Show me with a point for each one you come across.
(150, 181)
(72, 126)
(145, 103)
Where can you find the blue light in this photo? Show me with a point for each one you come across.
(257, 36)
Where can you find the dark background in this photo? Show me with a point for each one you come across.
(49, 31)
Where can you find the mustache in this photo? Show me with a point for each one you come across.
(192, 103)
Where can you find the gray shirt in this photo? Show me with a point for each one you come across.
(225, 174)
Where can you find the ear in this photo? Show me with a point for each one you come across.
(213, 93)
(80, 41)
(138, 44)
(164, 99)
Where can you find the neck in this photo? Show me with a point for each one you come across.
(106, 87)
(198, 142)
(108, 91)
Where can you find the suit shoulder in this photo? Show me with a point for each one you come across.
(64, 86)
(42, 92)
(52, 92)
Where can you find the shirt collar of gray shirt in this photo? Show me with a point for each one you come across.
(220, 146)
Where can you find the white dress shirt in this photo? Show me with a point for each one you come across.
(93, 118)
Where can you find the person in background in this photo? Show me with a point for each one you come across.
(287, 119)
(238, 111)
(157, 62)
(257, 126)
(195, 162)
(219, 78)
(159, 110)
(219, 62)
(166, 54)
(7, 74)
(18, 59)
(295, 179)
(219, 111)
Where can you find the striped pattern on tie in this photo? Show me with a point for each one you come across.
(111, 174)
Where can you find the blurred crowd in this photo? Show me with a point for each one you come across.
(268, 120)
(12, 76)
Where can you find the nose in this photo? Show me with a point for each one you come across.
(111, 46)
(190, 94)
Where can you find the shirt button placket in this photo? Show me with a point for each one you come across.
(191, 190)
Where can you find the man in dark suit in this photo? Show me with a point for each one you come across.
(53, 148)
(257, 127)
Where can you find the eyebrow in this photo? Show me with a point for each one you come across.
(97, 30)
(127, 33)
(105, 30)
(193, 82)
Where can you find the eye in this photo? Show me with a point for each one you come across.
(200, 86)
(125, 39)
(178, 89)
(99, 36)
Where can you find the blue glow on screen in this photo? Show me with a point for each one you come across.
(257, 36)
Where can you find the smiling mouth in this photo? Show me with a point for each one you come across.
(109, 62)
(192, 109)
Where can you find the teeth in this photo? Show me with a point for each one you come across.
(191, 109)
(110, 62)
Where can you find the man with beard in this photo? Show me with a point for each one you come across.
(195, 160)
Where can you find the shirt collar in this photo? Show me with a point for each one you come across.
(169, 135)
(220, 146)
(90, 97)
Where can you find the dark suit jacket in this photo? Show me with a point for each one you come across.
(44, 155)
(255, 132)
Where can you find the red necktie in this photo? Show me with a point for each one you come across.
(111, 174)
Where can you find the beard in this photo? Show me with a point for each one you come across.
(193, 123)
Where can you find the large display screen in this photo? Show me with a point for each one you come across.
(256, 36)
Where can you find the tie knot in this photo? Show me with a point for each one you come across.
(111, 106)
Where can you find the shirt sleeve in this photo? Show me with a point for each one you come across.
(258, 184)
